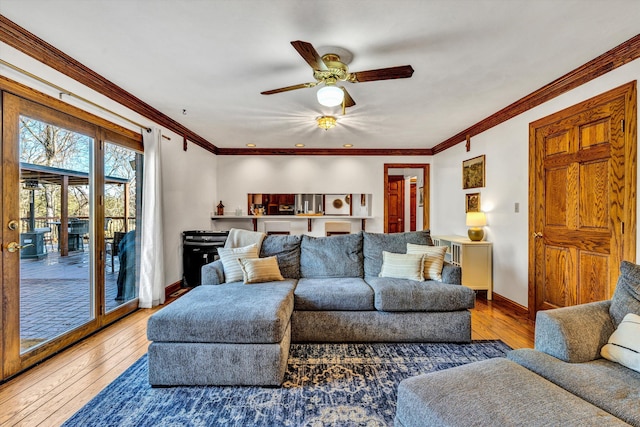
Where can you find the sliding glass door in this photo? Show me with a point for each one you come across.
(69, 230)
(122, 202)
(55, 212)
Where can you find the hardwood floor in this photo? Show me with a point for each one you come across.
(51, 392)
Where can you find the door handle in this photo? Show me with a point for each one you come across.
(14, 246)
(537, 235)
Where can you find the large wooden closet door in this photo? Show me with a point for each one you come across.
(582, 199)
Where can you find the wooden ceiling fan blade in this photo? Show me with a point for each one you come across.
(400, 72)
(288, 88)
(348, 100)
(309, 54)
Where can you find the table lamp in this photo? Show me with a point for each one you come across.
(475, 222)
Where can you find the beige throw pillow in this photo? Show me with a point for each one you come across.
(433, 260)
(230, 257)
(624, 344)
(260, 270)
(402, 266)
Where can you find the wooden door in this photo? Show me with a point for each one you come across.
(412, 206)
(395, 195)
(582, 201)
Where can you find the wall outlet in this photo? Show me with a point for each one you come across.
(516, 207)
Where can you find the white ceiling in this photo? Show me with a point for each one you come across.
(214, 57)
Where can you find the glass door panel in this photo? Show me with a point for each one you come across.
(122, 237)
(61, 277)
(55, 202)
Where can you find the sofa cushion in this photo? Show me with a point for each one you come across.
(602, 383)
(260, 270)
(375, 243)
(287, 250)
(340, 294)
(626, 298)
(226, 314)
(623, 346)
(402, 266)
(433, 260)
(334, 256)
(494, 392)
(230, 257)
(409, 295)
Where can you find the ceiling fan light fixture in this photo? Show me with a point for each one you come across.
(330, 96)
(326, 122)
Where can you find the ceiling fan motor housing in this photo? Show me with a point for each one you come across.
(336, 70)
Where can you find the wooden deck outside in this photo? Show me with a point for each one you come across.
(55, 294)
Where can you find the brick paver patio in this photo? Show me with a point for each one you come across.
(55, 296)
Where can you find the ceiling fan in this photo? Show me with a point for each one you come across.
(329, 69)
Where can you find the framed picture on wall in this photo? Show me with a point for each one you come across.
(420, 196)
(473, 173)
(473, 202)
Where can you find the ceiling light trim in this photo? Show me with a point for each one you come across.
(326, 122)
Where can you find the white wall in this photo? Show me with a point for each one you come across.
(189, 185)
(240, 175)
(189, 178)
(507, 155)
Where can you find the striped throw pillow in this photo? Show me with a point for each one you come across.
(433, 259)
(260, 270)
(230, 257)
(402, 266)
(623, 346)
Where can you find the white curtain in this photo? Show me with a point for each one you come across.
(152, 257)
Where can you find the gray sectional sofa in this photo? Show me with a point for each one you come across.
(563, 381)
(239, 334)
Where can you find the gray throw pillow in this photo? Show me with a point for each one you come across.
(626, 298)
(286, 248)
(335, 256)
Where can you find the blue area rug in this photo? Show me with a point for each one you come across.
(325, 385)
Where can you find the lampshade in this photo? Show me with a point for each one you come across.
(330, 96)
(476, 219)
(326, 122)
(475, 222)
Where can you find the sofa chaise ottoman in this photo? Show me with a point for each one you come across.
(494, 392)
(224, 338)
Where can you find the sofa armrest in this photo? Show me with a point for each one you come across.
(574, 334)
(451, 274)
(212, 273)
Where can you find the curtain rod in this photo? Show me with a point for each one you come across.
(63, 91)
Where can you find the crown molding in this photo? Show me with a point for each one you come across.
(17, 37)
(608, 61)
(322, 152)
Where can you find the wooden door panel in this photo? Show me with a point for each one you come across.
(558, 286)
(556, 197)
(594, 195)
(582, 187)
(595, 133)
(592, 241)
(395, 196)
(556, 144)
(593, 273)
